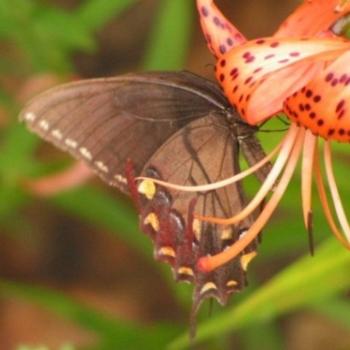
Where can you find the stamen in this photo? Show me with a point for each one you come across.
(324, 201)
(306, 176)
(209, 263)
(218, 184)
(275, 172)
(334, 191)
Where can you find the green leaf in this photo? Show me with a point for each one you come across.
(95, 13)
(337, 310)
(305, 282)
(169, 40)
(262, 336)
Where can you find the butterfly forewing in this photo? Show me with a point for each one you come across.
(106, 121)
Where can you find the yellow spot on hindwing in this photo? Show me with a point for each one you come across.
(226, 233)
(208, 286)
(246, 259)
(185, 271)
(147, 188)
(231, 284)
(167, 251)
(152, 219)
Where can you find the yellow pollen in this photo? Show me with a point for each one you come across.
(167, 251)
(208, 286)
(152, 219)
(185, 271)
(147, 188)
(246, 259)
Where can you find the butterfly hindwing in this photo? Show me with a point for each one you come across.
(202, 152)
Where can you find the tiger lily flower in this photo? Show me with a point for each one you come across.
(302, 71)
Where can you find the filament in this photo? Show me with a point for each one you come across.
(276, 170)
(334, 191)
(210, 263)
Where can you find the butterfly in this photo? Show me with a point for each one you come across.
(172, 126)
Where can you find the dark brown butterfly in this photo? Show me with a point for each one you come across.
(172, 126)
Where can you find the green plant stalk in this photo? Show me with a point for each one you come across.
(306, 281)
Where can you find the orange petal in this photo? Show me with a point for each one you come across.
(220, 34)
(242, 70)
(323, 105)
(313, 17)
(267, 99)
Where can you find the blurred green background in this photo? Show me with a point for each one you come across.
(75, 272)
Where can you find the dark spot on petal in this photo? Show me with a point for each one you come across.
(222, 49)
(343, 78)
(248, 80)
(216, 21)
(234, 71)
(250, 59)
(308, 93)
(204, 11)
(340, 105)
(317, 98)
(267, 57)
(341, 114)
(329, 77)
